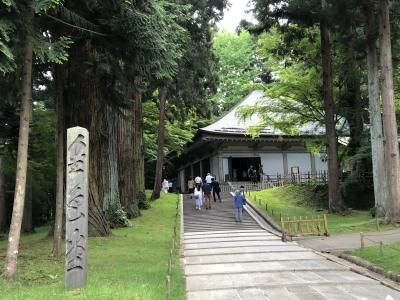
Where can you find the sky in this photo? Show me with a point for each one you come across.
(234, 14)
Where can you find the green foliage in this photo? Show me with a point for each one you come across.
(130, 264)
(143, 200)
(311, 199)
(52, 52)
(116, 216)
(389, 259)
(238, 67)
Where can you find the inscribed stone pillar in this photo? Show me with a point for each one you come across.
(76, 211)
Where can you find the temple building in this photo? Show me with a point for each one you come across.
(226, 150)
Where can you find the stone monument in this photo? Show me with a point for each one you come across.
(76, 207)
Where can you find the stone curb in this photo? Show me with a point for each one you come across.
(370, 266)
(264, 216)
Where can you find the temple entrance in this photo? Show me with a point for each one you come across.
(240, 165)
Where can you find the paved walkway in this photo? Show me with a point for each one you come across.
(342, 242)
(226, 260)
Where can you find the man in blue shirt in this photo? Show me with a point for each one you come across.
(207, 194)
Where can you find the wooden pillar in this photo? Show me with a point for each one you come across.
(313, 167)
(221, 174)
(285, 165)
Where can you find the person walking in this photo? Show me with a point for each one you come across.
(239, 200)
(190, 185)
(207, 194)
(216, 189)
(209, 178)
(198, 180)
(198, 197)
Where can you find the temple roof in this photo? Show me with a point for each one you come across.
(231, 124)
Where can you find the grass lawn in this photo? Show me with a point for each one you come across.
(296, 200)
(130, 264)
(390, 260)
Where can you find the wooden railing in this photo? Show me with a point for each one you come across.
(298, 226)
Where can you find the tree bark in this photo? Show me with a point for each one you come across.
(22, 156)
(138, 153)
(112, 194)
(335, 200)
(3, 215)
(27, 224)
(126, 169)
(389, 115)
(86, 107)
(160, 150)
(60, 144)
(376, 131)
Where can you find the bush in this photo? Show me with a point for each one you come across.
(117, 216)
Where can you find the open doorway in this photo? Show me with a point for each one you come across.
(240, 165)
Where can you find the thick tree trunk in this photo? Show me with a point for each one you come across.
(60, 144)
(126, 170)
(27, 225)
(3, 215)
(389, 116)
(112, 194)
(376, 132)
(138, 153)
(22, 156)
(85, 107)
(160, 150)
(335, 199)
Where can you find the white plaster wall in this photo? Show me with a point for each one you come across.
(320, 165)
(272, 163)
(301, 160)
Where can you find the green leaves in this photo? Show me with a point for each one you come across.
(55, 52)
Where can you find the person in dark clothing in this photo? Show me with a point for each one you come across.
(207, 194)
(216, 189)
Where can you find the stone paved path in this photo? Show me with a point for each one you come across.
(226, 260)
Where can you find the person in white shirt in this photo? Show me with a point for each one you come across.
(209, 178)
(165, 186)
(198, 180)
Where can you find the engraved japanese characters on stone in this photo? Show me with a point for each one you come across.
(76, 207)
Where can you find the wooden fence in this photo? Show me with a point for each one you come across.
(298, 226)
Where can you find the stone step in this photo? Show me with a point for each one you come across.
(233, 244)
(270, 266)
(327, 291)
(272, 279)
(251, 257)
(254, 249)
(224, 232)
(231, 239)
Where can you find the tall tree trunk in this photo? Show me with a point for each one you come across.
(27, 225)
(85, 107)
(377, 148)
(138, 153)
(22, 156)
(335, 199)
(3, 215)
(389, 116)
(60, 144)
(160, 150)
(112, 194)
(126, 168)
